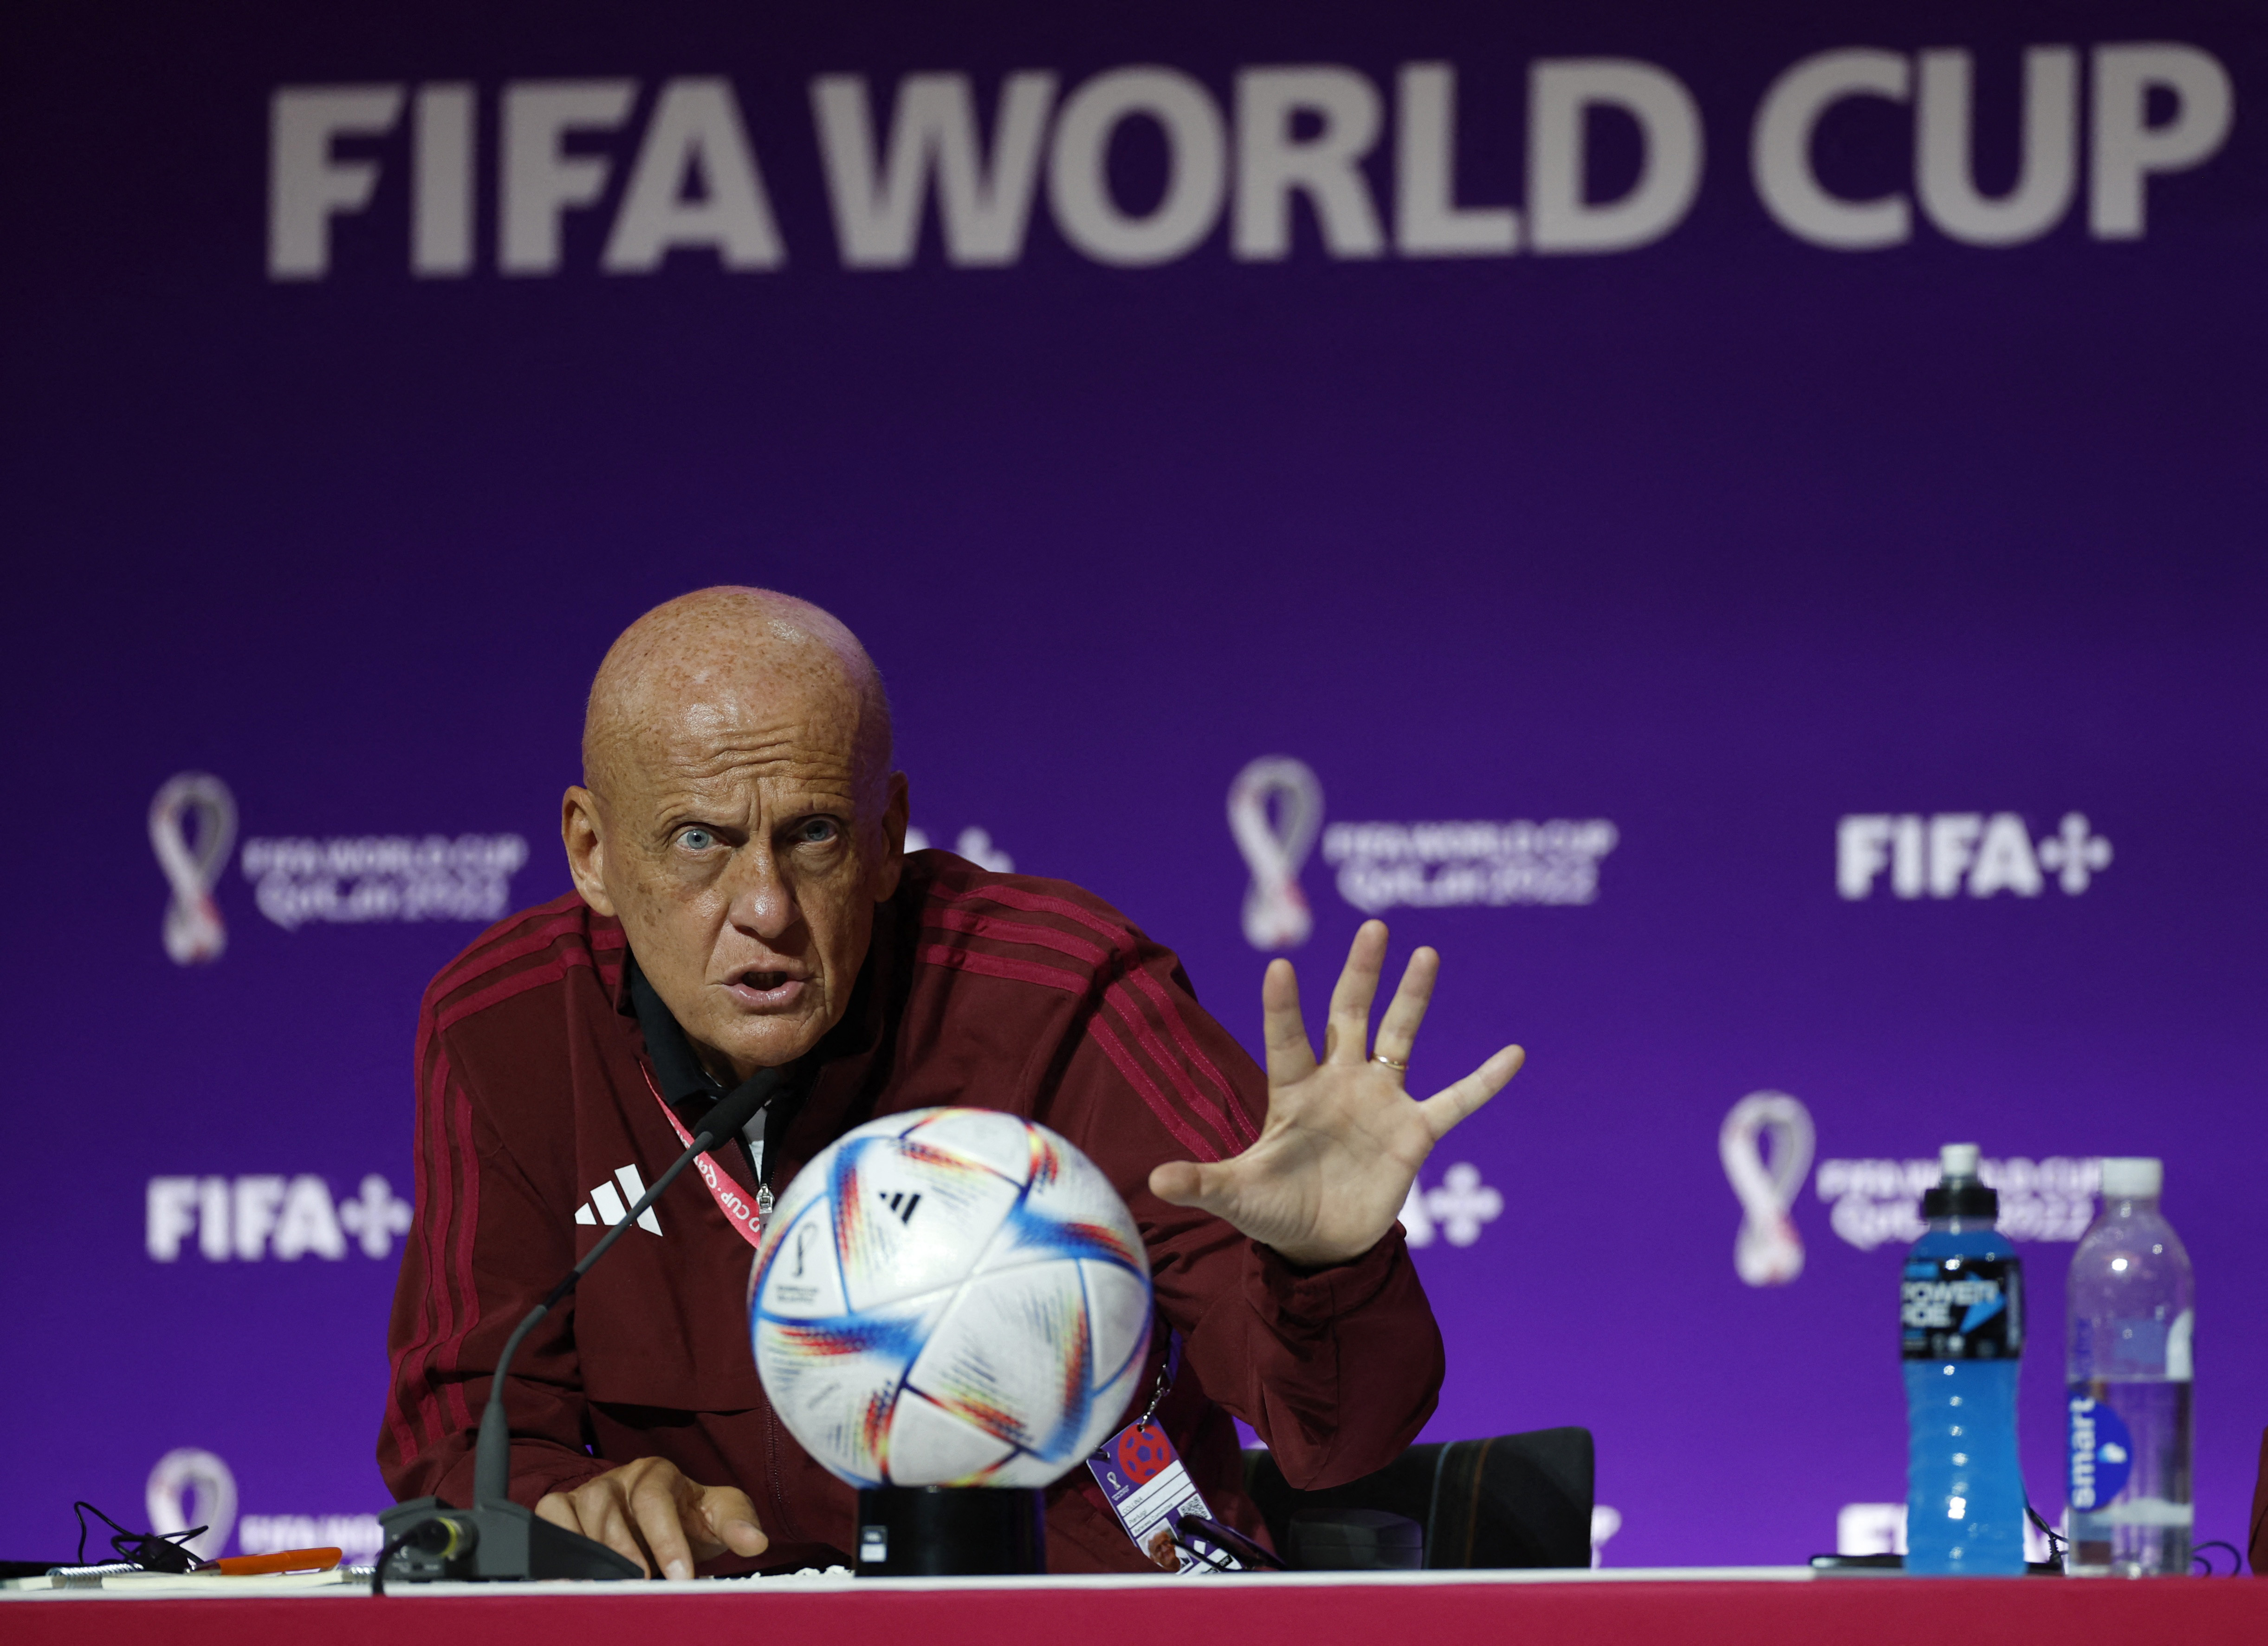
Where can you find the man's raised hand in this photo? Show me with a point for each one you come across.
(1344, 1140)
(648, 1510)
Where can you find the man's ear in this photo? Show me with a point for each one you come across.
(582, 833)
(892, 865)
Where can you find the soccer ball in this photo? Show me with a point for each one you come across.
(950, 1297)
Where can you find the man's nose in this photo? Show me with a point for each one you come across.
(760, 902)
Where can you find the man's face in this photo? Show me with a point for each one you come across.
(726, 837)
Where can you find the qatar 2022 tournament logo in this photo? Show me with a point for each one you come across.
(192, 1490)
(191, 826)
(352, 880)
(1275, 813)
(1275, 807)
(1767, 1144)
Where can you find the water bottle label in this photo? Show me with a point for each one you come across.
(1962, 1308)
(2102, 1450)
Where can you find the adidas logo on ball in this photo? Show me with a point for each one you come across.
(951, 1297)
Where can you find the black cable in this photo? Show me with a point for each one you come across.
(2235, 1557)
(394, 1545)
(2056, 1542)
(146, 1549)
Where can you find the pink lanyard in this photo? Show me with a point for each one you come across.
(749, 1219)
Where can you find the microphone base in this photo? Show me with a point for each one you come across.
(952, 1531)
(498, 1542)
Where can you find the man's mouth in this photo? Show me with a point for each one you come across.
(761, 989)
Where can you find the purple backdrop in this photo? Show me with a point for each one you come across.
(1807, 569)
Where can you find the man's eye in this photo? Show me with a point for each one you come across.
(697, 840)
(815, 832)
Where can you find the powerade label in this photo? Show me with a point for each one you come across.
(2102, 1450)
(1962, 1308)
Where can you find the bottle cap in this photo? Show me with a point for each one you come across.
(2133, 1178)
(1960, 1194)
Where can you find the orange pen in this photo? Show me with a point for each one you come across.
(282, 1560)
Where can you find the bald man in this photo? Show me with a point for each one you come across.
(745, 912)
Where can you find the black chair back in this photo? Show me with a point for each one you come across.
(1511, 1500)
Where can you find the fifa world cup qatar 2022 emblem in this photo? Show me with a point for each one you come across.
(192, 1473)
(1768, 1251)
(1275, 845)
(193, 930)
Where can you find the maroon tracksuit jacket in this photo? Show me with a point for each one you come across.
(1000, 991)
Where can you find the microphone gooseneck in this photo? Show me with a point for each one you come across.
(493, 1456)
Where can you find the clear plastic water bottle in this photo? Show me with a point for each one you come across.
(1962, 1320)
(2128, 1374)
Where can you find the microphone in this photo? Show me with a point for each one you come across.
(497, 1538)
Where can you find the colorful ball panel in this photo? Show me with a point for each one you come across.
(953, 1296)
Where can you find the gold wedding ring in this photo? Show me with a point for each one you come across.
(1381, 1057)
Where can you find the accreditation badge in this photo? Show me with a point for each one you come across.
(1150, 1491)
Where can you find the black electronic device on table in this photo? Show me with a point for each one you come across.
(497, 1540)
(952, 1531)
(1848, 1564)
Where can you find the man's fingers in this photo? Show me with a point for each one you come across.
(731, 1520)
(599, 1511)
(1347, 1039)
(1397, 1030)
(649, 1512)
(1188, 1183)
(1290, 1056)
(1444, 1109)
(655, 1498)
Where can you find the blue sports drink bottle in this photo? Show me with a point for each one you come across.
(1962, 1318)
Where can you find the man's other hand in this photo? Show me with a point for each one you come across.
(651, 1513)
(1343, 1140)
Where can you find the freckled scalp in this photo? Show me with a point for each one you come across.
(752, 677)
